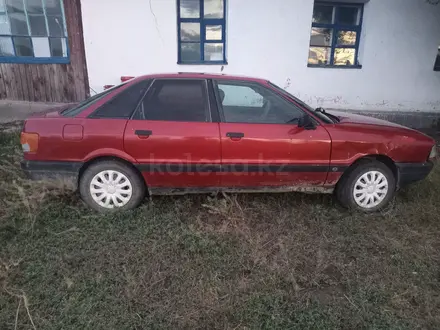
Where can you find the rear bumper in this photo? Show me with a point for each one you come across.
(413, 172)
(42, 170)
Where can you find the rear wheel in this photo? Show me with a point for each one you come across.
(109, 186)
(368, 187)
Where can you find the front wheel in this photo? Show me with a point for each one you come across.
(369, 187)
(109, 186)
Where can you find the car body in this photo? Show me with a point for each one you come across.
(194, 133)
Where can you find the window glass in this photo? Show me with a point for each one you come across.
(253, 103)
(323, 14)
(35, 28)
(73, 111)
(201, 36)
(175, 100)
(348, 16)
(213, 8)
(124, 103)
(190, 8)
(335, 34)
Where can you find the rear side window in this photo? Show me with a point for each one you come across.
(123, 104)
(175, 100)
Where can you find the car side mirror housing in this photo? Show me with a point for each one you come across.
(306, 122)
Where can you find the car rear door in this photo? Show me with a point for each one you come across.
(173, 138)
(262, 144)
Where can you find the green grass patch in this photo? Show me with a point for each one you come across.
(269, 261)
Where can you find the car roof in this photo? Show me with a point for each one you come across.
(202, 75)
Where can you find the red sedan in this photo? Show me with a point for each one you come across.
(193, 133)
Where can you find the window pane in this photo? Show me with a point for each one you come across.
(348, 15)
(214, 52)
(18, 24)
(344, 56)
(323, 14)
(213, 8)
(2, 6)
(53, 7)
(23, 46)
(5, 28)
(58, 47)
(319, 55)
(243, 103)
(177, 100)
(347, 38)
(14, 6)
(41, 47)
(34, 6)
(38, 25)
(190, 52)
(190, 31)
(6, 47)
(123, 104)
(56, 26)
(189, 8)
(213, 32)
(321, 37)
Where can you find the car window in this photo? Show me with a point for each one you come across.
(72, 112)
(123, 104)
(321, 115)
(243, 102)
(175, 100)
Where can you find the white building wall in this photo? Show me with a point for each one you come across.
(270, 39)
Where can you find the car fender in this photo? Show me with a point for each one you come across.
(109, 152)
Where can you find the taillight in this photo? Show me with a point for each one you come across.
(29, 142)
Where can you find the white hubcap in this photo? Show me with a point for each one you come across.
(370, 189)
(111, 189)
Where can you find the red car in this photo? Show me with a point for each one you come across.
(194, 133)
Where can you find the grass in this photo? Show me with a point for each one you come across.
(281, 261)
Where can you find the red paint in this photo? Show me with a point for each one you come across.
(331, 145)
(175, 143)
(73, 132)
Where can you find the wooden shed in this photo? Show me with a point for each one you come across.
(42, 57)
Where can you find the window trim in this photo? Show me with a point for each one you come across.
(437, 61)
(33, 59)
(335, 28)
(249, 83)
(203, 23)
(208, 109)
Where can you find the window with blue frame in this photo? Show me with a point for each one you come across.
(335, 35)
(201, 26)
(33, 31)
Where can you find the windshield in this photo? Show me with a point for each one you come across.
(72, 112)
(321, 115)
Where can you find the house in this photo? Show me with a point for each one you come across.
(348, 54)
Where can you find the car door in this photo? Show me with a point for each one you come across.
(261, 141)
(173, 139)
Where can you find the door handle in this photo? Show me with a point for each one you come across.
(235, 135)
(143, 133)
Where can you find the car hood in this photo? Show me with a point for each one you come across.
(346, 117)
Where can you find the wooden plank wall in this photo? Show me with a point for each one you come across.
(51, 82)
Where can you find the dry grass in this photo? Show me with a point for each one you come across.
(287, 261)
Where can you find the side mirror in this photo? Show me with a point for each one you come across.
(306, 122)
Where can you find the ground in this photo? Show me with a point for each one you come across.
(268, 261)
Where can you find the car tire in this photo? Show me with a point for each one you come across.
(369, 186)
(109, 186)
